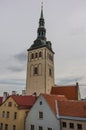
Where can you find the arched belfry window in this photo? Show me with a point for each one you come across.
(32, 56)
(35, 70)
(31, 70)
(50, 72)
(40, 69)
(40, 54)
(36, 55)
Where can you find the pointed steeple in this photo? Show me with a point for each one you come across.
(41, 29)
(42, 10)
(41, 40)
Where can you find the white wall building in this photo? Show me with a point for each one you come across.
(42, 116)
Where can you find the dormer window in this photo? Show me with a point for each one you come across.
(9, 104)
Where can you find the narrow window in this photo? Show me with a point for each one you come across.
(32, 56)
(36, 55)
(3, 114)
(1, 126)
(79, 126)
(40, 128)
(50, 72)
(15, 115)
(71, 125)
(7, 116)
(49, 128)
(64, 124)
(14, 127)
(6, 126)
(41, 115)
(40, 54)
(40, 102)
(32, 127)
(35, 70)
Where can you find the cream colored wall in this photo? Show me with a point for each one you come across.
(39, 83)
(19, 122)
(49, 79)
(75, 124)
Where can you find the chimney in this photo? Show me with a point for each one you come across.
(5, 95)
(23, 92)
(13, 92)
(77, 84)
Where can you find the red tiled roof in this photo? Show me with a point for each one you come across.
(72, 108)
(71, 92)
(24, 101)
(51, 100)
(1, 99)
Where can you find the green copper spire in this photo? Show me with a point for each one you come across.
(41, 40)
(41, 29)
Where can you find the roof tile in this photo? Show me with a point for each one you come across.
(51, 100)
(71, 92)
(24, 101)
(72, 108)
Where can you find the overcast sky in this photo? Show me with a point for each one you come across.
(65, 21)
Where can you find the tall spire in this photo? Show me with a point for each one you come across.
(41, 29)
(42, 10)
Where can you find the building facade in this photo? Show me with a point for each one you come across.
(40, 64)
(42, 115)
(71, 92)
(13, 112)
(72, 114)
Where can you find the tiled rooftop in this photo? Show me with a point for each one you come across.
(51, 100)
(71, 92)
(72, 108)
(24, 101)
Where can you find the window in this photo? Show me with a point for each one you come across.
(50, 72)
(7, 116)
(35, 70)
(71, 125)
(40, 102)
(36, 55)
(9, 104)
(14, 127)
(49, 128)
(3, 114)
(32, 127)
(15, 115)
(79, 126)
(40, 128)
(64, 124)
(6, 126)
(32, 56)
(41, 115)
(1, 126)
(40, 54)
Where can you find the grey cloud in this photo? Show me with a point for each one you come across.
(21, 57)
(15, 68)
(69, 80)
(12, 81)
(17, 62)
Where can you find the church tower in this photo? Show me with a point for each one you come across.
(40, 64)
